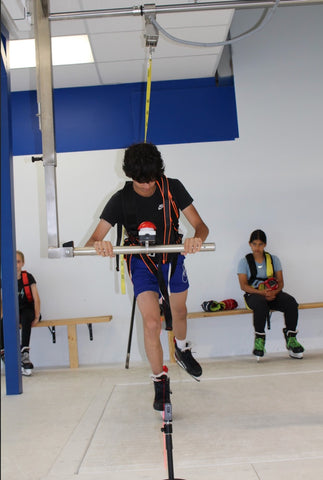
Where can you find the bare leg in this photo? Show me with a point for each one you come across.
(179, 314)
(149, 307)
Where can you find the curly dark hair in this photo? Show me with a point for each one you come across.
(143, 162)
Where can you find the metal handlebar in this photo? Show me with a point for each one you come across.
(137, 249)
(131, 250)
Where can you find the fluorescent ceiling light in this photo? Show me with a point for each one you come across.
(65, 51)
(71, 50)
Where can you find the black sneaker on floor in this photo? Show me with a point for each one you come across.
(185, 359)
(26, 365)
(162, 392)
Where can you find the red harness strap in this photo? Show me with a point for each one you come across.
(27, 289)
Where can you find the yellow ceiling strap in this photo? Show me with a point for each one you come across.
(148, 89)
(148, 94)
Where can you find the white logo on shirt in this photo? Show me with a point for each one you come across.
(161, 206)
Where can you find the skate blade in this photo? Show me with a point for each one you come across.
(184, 368)
(26, 372)
(298, 356)
(162, 415)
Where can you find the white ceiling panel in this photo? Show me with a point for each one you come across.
(132, 71)
(68, 27)
(110, 47)
(79, 75)
(23, 79)
(162, 69)
(168, 48)
(178, 68)
(118, 44)
(196, 19)
(115, 24)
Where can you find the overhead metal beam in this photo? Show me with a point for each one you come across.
(178, 8)
(46, 114)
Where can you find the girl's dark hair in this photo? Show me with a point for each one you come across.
(258, 235)
(143, 162)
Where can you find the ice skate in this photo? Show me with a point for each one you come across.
(162, 391)
(185, 359)
(294, 348)
(259, 347)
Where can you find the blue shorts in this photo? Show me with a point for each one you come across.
(143, 280)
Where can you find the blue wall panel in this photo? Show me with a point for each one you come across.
(8, 236)
(108, 117)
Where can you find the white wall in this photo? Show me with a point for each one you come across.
(270, 178)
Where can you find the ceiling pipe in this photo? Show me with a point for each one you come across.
(176, 8)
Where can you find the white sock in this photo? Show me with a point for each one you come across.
(181, 344)
(157, 377)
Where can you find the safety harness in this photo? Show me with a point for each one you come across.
(26, 285)
(170, 235)
(253, 268)
(270, 272)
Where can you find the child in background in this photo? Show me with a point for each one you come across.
(29, 313)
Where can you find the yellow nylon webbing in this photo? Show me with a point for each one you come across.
(269, 266)
(148, 89)
(122, 269)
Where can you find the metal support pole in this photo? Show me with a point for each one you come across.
(46, 114)
(132, 319)
(168, 430)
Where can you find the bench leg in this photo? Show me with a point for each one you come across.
(171, 346)
(72, 346)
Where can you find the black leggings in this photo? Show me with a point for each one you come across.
(26, 317)
(283, 303)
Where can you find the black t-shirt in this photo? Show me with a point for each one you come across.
(148, 209)
(22, 299)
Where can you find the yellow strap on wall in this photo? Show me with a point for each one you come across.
(148, 89)
(122, 269)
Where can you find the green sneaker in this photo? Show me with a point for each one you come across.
(259, 347)
(293, 346)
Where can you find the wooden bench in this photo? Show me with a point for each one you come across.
(221, 313)
(71, 323)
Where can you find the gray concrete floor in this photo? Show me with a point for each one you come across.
(244, 421)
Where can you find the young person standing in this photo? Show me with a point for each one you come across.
(152, 197)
